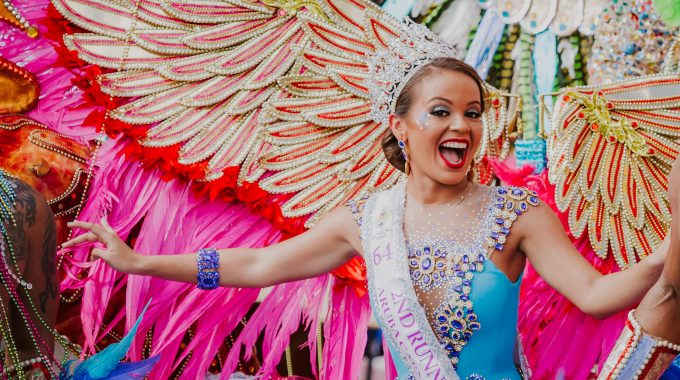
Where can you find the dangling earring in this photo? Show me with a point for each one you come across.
(407, 166)
(472, 174)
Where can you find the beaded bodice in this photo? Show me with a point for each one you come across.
(445, 248)
(447, 245)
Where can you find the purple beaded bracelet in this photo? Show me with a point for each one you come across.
(210, 260)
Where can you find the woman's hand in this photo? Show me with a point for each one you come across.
(117, 254)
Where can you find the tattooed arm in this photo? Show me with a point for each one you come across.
(34, 242)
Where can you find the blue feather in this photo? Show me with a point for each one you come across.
(673, 372)
(106, 364)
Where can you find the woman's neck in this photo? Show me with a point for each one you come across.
(428, 191)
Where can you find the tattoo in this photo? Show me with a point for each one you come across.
(25, 212)
(47, 261)
(26, 204)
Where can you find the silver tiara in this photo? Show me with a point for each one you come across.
(390, 69)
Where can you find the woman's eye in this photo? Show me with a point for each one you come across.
(440, 111)
(473, 114)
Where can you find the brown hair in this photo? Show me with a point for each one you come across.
(403, 105)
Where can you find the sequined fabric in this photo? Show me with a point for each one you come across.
(442, 270)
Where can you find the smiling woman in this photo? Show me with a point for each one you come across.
(420, 103)
(444, 255)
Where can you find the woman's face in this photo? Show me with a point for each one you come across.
(443, 127)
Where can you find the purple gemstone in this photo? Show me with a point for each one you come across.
(472, 317)
(427, 263)
(426, 250)
(449, 347)
(505, 230)
(460, 273)
(442, 274)
(458, 288)
(438, 253)
(441, 318)
(413, 263)
(499, 221)
(416, 273)
(510, 205)
(481, 258)
(500, 199)
(517, 192)
(464, 297)
(426, 280)
(456, 324)
(466, 259)
(499, 206)
(523, 206)
(466, 282)
(518, 211)
(502, 190)
(440, 264)
(499, 246)
(533, 199)
(435, 275)
(494, 235)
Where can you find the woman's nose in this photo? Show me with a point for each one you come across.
(459, 124)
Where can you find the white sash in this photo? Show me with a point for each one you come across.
(393, 298)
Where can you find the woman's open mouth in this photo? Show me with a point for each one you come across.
(453, 152)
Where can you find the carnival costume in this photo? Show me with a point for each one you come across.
(248, 96)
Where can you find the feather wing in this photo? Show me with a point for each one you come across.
(610, 154)
(274, 87)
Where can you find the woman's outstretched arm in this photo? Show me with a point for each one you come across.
(562, 266)
(332, 242)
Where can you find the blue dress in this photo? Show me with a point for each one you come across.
(490, 352)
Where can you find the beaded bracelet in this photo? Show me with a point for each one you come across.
(208, 259)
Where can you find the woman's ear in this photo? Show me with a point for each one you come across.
(397, 126)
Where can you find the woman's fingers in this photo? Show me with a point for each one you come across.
(88, 237)
(102, 234)
(82, 225)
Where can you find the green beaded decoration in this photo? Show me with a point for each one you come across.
(508, 62)
(525, 86)
(493, 78)
(435, 13)
(586, 47)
